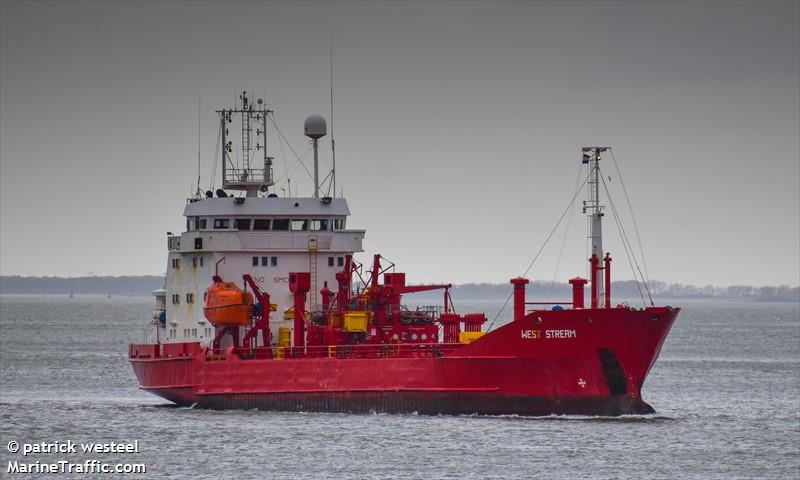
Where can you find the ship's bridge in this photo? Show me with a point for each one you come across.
(263, 224)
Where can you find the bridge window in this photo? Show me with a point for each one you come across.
(261, 224)
(241, 224)
(221, 223)
(338, 224)
(319, 224)
(280, 224)
(201, 223)
(299, 225)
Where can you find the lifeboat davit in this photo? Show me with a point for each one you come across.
(227, 304)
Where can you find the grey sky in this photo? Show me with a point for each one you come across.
(458, 127)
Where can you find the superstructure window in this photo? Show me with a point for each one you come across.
(190, 298)
(264, 261)
(261, 224)
(176, 263)
(221, 223)
(330, 261)
(201, 224)
(299, 225)
(194, 262)
(176, 299)
(274, 261)
(340, 261)
(241, 224)
(255, 261)
(280, 224)
(319, 224)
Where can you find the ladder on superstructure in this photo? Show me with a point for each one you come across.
(246, 130)
(312, 268)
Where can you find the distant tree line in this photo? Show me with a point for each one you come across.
(126, 285)
(628, 289)
(144, 285)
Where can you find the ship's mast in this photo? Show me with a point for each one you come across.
(243, 173)
(593, 208)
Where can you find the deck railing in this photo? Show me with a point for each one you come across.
(394, 350)
(341, 352)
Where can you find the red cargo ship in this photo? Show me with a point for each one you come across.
(361, 350)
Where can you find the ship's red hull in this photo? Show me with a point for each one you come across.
(590, 362)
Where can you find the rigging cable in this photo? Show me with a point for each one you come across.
(633, 217)
(216, 158)
(563, 243)
(626, 244)
(271, 119)
(285, 166)
(530, 265)
(296, 164)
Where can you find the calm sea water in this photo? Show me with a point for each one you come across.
(726, 389)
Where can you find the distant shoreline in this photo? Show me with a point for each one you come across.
(145, 284)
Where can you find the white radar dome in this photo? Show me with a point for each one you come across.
(315, 126)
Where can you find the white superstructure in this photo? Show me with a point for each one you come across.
(256, 233)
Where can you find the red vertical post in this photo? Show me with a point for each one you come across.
(299, 319)
(577, 291)
(607, 268)
(326, 299)
(299, 284)
(519, 296)
(376, 269)
(594, 261)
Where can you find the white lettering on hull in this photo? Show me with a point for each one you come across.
(559, 334)
(537, 334)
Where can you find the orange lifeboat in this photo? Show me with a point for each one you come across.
(227, 304)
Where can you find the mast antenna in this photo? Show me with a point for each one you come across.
(198, 193)
(243, 172)
(333, 142)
